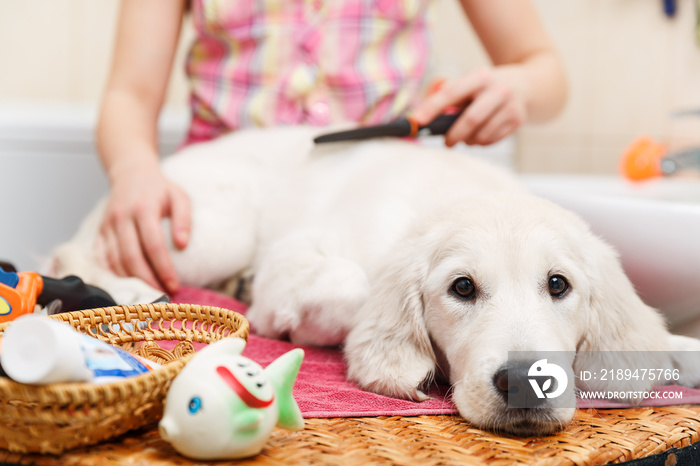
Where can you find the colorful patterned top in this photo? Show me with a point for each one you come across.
(277, 62)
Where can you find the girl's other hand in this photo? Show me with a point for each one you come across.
(131, 241)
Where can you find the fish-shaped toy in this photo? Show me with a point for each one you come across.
(224, 406)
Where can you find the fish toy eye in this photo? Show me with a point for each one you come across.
(195, 405)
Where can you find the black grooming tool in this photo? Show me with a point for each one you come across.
(403, 127)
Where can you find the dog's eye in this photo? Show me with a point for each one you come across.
(464, 288)
(558, 286)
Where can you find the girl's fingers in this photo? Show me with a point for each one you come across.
(475, 116)
(111, 252)
(181, 218)
(503, 122)
(132, 255)
(155, 250)
(455, 92)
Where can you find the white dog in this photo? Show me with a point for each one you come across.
(419, 261)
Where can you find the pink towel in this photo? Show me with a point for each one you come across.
(321, 389)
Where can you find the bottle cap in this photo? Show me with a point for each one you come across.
(39, 350)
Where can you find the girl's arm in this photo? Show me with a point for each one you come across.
(131, 240)
(527, 81)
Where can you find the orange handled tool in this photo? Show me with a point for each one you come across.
(21, 291)
(645, 158)
(19, 299)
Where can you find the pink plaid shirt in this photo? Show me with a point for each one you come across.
(280, 62)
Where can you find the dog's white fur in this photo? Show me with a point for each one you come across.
(359, 244)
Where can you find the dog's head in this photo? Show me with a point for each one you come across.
(485, 276)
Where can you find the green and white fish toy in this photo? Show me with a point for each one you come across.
(224, 406)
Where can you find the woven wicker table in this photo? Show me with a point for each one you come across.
(594, 437)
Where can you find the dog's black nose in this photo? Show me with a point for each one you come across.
(511, 382)
(500, 380)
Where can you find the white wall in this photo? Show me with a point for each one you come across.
(60, 51)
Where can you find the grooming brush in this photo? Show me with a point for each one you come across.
(403, 127)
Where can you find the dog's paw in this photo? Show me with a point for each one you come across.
(127, 290)
(313, 304)
(683, 343)
(405, 385)
(685, 356)
(270, 323)
(394, 373)
(301, 327)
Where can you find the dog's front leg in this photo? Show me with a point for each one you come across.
(307, 289)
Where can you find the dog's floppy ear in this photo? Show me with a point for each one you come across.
(389, 351)
(634, 334)
(618, 319)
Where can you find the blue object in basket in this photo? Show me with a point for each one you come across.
(10, 279)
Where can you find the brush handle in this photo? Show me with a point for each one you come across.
(403, 127)
(441, 124)
(399, 128)
(689, 159)
(74, 293)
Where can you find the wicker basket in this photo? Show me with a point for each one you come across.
(59, 417)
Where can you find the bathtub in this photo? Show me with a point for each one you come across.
(655, 226)
(51, 175)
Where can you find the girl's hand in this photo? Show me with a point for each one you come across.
(495, 107)
(131, 240)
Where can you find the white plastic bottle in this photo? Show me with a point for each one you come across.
(38, 350)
